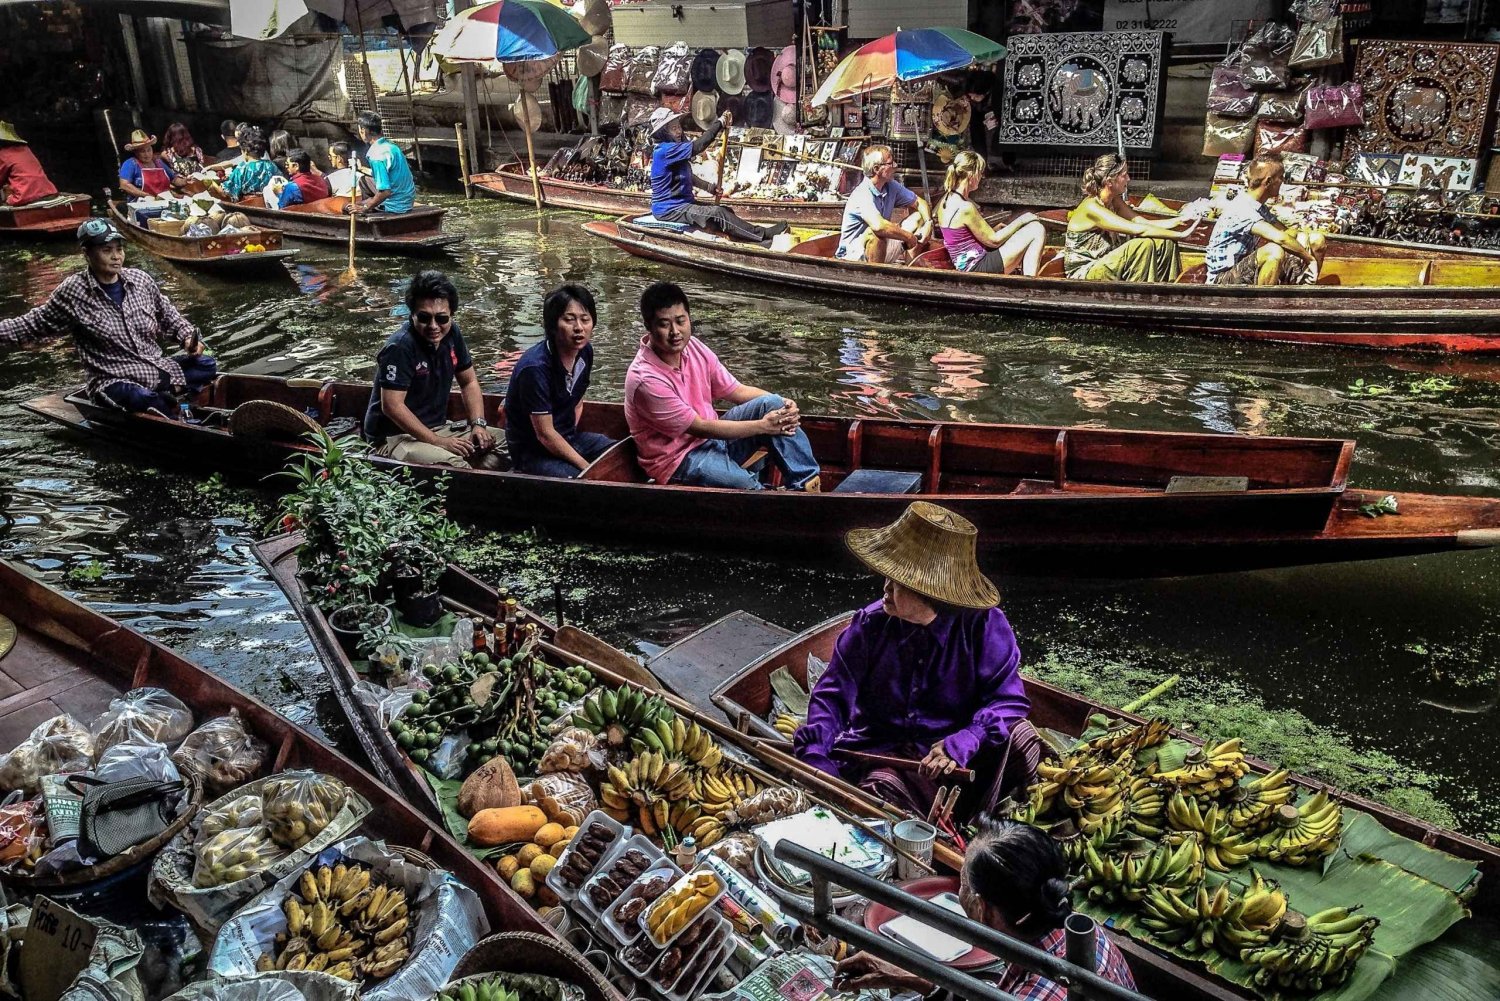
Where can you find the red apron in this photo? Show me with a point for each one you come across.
(154, 180)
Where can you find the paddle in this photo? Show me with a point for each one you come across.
(723, 157)
(350, 274)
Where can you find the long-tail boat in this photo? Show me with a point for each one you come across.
(512, 182)
(418, 231)
(1046, 499)
(226, 254)
(67, 658)
(1389, 304)
(51, 217)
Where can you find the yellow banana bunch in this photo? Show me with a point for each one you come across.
(339, 921)
(1303, 835)
(1261, 910)
(1313, 954)
(1223, 846)
(634, 791)
(1144, 806)
(1134, 737)
(1210, 772)
(1126, 874)
(788, 723)
(721, 790)
(1252, 805)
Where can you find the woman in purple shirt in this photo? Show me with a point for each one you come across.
(930, 672)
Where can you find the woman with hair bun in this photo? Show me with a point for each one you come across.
(1109, 241)
(1015, 881)
(972, 243)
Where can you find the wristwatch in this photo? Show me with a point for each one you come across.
(480, 423)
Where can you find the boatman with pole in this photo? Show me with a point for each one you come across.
(672, 180)
(395, 190)
(117, 315)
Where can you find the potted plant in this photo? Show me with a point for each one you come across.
(415, 574)
(353, 622)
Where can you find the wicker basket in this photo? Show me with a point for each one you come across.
(271, 420)
(528, 952)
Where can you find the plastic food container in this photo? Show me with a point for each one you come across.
(640, 842)
(625, 934)
(718, 940)
(622, 834)
(708, 905)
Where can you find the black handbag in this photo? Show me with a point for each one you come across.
(117, 816)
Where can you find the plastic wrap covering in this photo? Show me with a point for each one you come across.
(1227, 135)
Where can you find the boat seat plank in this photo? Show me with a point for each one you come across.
(698, 663)
(880, 481)
(649, 221)
(617, 464)
(1207, 484)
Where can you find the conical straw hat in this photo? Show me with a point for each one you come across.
(930, 550)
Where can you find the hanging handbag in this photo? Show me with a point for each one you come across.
(1282, 105)
(1271, 138)
(117, 816)
(1227, 93)
(1319, 43)
(674, 72)
(1335, 105)
(1227, 135)
(1264, 58)
(642, 72)
(616, 68)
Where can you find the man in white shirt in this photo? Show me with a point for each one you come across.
(871, 230)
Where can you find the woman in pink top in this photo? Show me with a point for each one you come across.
(670, 389)
(972, 244)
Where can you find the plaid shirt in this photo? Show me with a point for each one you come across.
(1025, 985)
(115, 343)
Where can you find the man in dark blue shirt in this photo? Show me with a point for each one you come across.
(544, 402)
(407, 418)
(672, 180)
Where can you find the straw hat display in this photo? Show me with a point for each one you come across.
(8, 134)
(139, 139)
(730, 72)
(592, 57)
(704, 64)
(930, 550)
(530, 73)
(784, 75)
(950, 115)
(527, 111)
(758, 69)
(705, 108)
(784, 118)
(595, 18)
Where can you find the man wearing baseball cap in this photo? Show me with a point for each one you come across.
(672, 180)
(117, 315)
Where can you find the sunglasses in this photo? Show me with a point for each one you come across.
(441, 319)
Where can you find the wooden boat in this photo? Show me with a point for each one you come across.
(419, 231)
(1045, 499)
(220, 254)
(53, 217)
(1388, 304)
(70, 659)
(511, 181)
(746, 699)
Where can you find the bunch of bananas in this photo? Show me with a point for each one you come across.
(1092, 790)
(1316, 955)
(1122, 735)
(684, 902)
(1252, 805)
(644, 789)
(689, 819)
(723, 789)
(1260, 912)
(787, 724)
(1193, 920)
(1144, 807)
(1135, 866)
(1223, 846)
(1206, 774)
(341, 922)
(617, 716)
(679, 741)
(1303, 835)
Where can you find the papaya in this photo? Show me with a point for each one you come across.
(505, 825)
(549, 835)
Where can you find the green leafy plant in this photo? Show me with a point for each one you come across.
(1362, 388)
(88, 573)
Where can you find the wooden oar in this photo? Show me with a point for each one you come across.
(900, 764)
(723, 158)
(350, 274)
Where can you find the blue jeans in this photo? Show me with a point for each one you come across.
(716, 463)
(585, 443)
(199, 370)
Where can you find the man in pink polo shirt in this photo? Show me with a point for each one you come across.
(670, 389)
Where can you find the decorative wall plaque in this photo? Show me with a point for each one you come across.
(1424, 97)
(1065, 89)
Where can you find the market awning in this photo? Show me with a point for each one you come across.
(906, 55)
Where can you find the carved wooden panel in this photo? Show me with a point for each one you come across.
(1432, 98)
(1066, 88)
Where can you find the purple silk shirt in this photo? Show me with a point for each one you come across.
(893, 686)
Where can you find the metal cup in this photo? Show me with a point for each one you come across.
(914, 838)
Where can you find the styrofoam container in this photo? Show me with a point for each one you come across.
(686, 991)
(708, 907)
(626, 934)
(584, 902)
(639, 973)
(622, 834)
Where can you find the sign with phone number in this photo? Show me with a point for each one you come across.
(1190, 22)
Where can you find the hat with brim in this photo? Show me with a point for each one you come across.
(596, 17)
(592, 58)
(661, 118)
(784, 119)
(8, 134)
(527, 111)
(784, 75)
(734, 105)
(759, 107)
(929, 550)
(705, 108)
(139, 140)
(702, 71)
(950, 115)
(730, 72)
(98, 232)
(758, 69)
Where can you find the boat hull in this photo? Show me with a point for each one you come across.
(218, 254)
(1418, 319)
(39, 223)
(419, 231)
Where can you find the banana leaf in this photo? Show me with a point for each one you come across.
(791, 694)
(1464, 965)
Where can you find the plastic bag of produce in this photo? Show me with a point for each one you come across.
(61, 744)
(573, 749)
(142, 714)
(443, 919)
(283, 985)
(562, 792)
(296, 806)
(222, 753)
(234, 855)
(386, 703)
(23, 834)
(137, 759)
(206, 908)
(237, 811)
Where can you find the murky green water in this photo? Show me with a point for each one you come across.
(1363, 648)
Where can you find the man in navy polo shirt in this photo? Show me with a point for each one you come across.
(408, 414)
(545, 400)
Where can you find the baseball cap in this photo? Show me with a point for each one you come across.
(98, 232)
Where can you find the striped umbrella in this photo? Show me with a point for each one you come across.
(509, 31)
(906, 55)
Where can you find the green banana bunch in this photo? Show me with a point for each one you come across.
(1144, 807)
(1303, 835)
(1252, 805)
(1195, 920)
(1262, 909)
(1126, 874)
(1315, 953)
(620, 715)
(1208, 773)
(677, 740)
(1123, 735)
(1223, 846)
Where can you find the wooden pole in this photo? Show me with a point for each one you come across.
(411, 103)
(471, 114)
(536, 184)
(723, 159)
(349, 273)
(463, 161)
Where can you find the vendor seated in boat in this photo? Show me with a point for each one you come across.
(407, 418)
(930, 673)
(22, 179)
(884, 220)
(670, 389)
(1107, 240)
(251, 175)
(144, 174)
(1015, 880)
(1248, 246)
(395, 191)
(116, 315)
(672, 180)
(302, 185)
(972, 243)
(544, 401)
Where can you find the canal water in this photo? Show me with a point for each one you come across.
(1382, 675)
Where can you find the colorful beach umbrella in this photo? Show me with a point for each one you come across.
(509, 31)
(906, 55)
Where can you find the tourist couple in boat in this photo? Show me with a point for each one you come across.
(670, 390)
